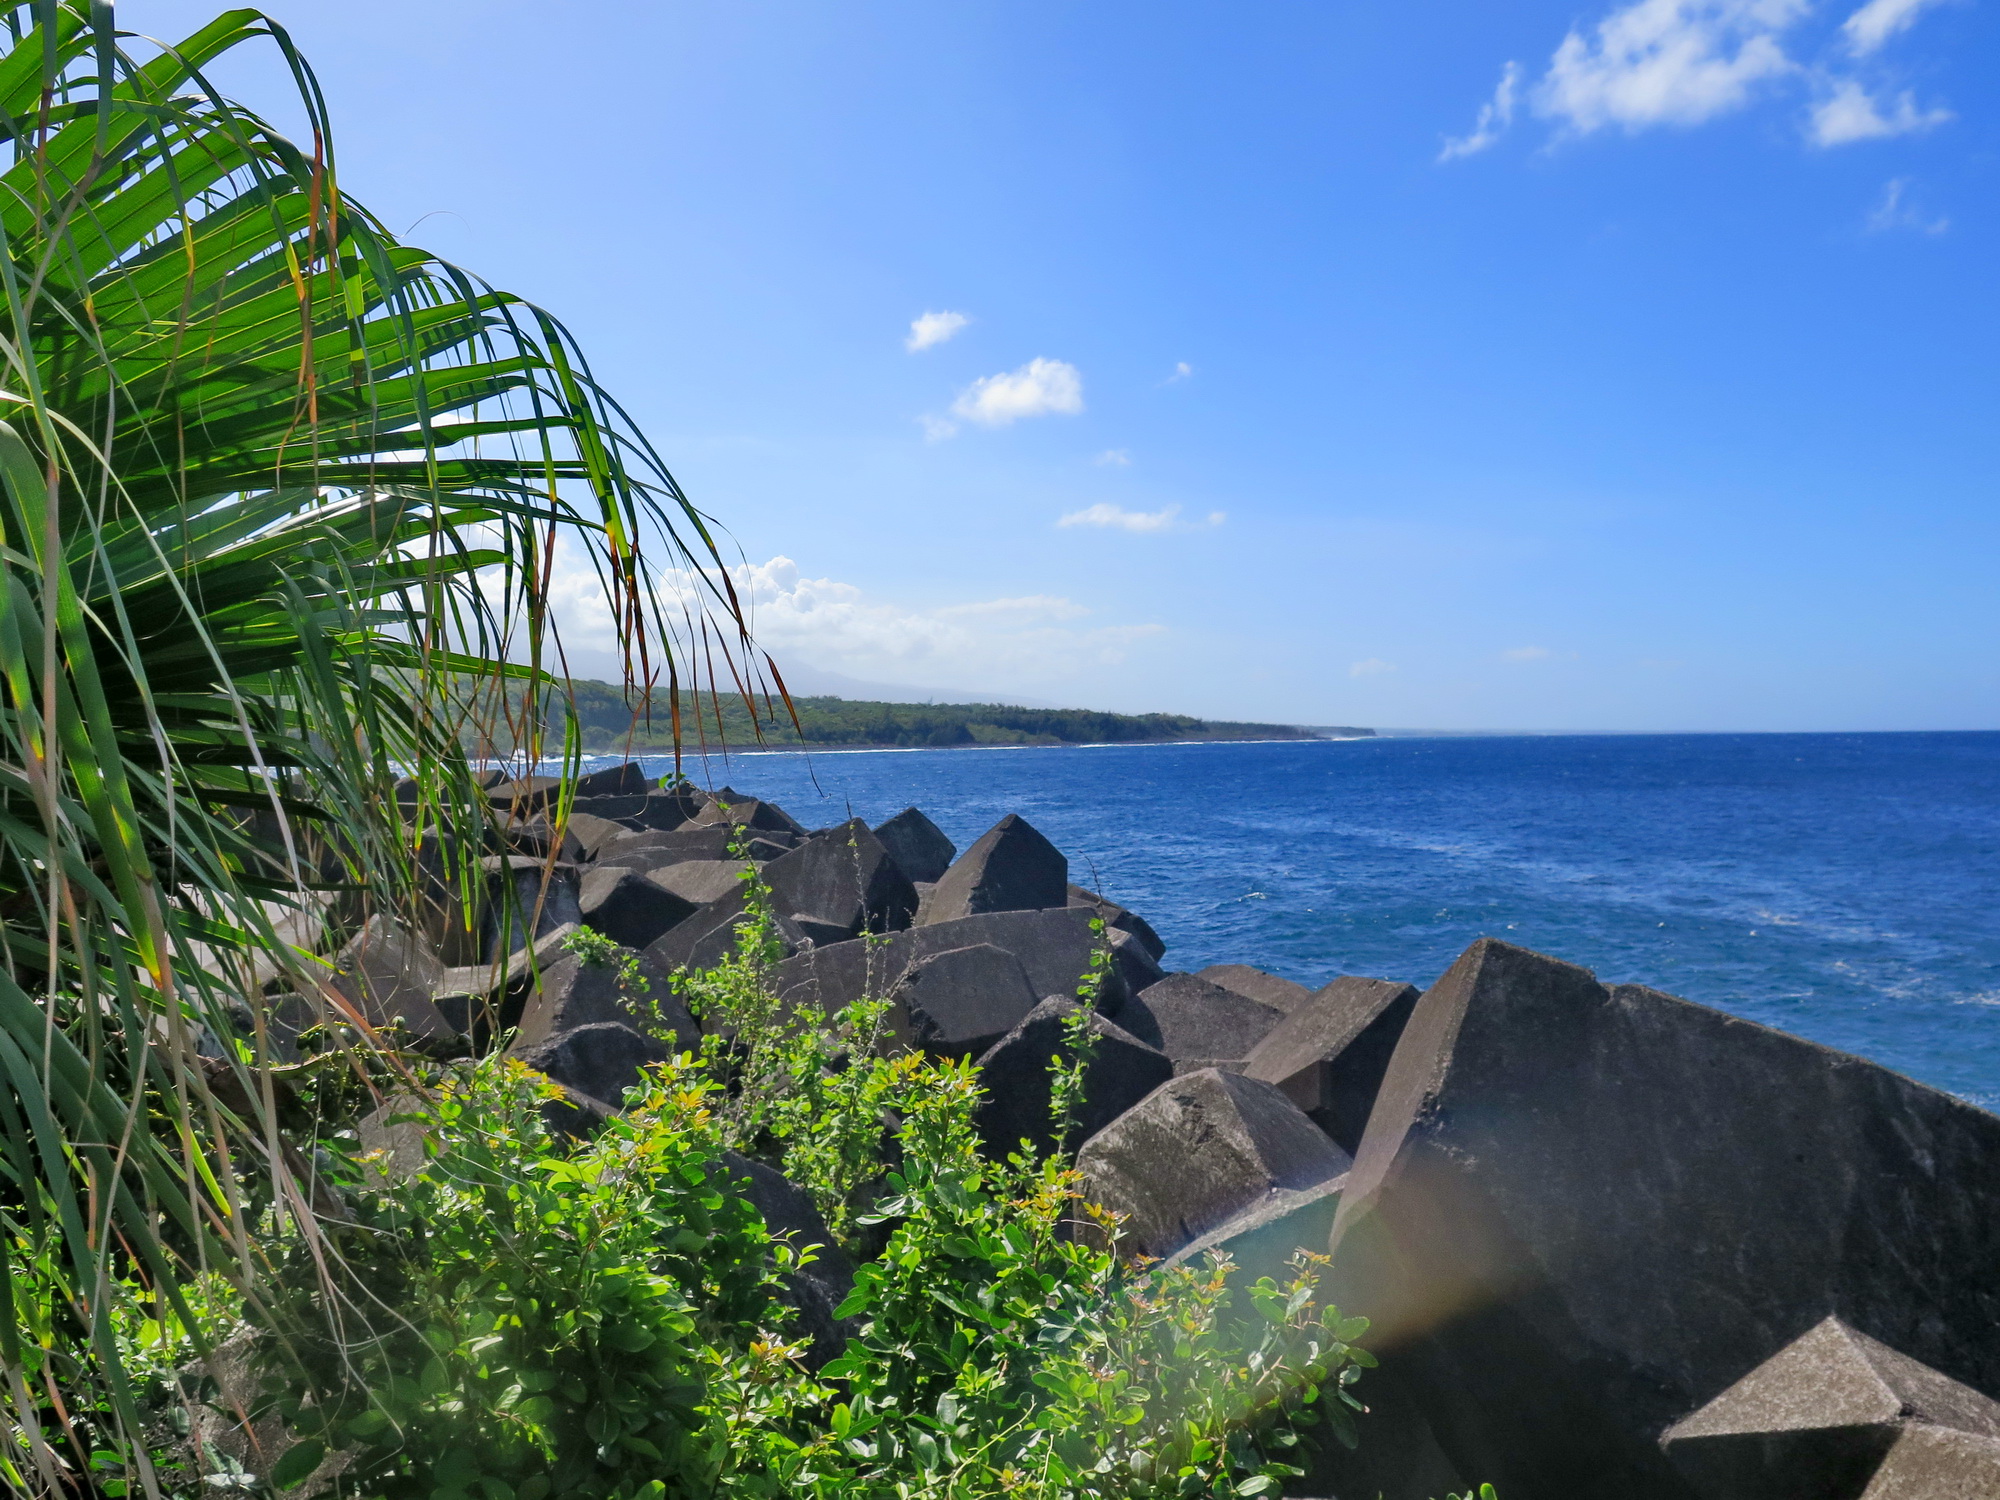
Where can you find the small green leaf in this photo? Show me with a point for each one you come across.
(297, 1463)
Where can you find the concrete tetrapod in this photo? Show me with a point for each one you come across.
(1280, 994)
(960, 1002)
(1198, 1024)
(1055, 949)
(1834, 1415)
(918, 846)
(845, 878)
(1197, 1151)
(1330, 1053)
(1014, 1073)
(1010, 868)
(1578, 1212)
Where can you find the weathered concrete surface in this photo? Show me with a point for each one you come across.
(1054, 947)
(1196, 1023)
(628, 908)
(1014, 1072)
(844, 877)
(1330, 1053)
(1818, 1419)
(958, 1003)
(1010, 868)
(1197, 1151)
(1119, 919)
(1280, 994)
(917, 845)
(389, 977)
(1578, 1213)
(602, 1059)
(820, 1286)
(572, 992)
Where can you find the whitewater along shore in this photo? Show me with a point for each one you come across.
(1610, 1242)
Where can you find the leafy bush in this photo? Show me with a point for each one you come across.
(533, 1317)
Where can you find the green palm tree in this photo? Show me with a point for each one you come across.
(279, 501)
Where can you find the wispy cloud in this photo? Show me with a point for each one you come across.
(1040, 388)
(1879, 20)
(936, 428)
(1118, 518)
(1021, 643)
(1895, 211)
(1027, 607)
(1182, 371)
(1652, 63)
(1495, 115)
(933, 328)
(1114, 458)
(1850, 113)
(1525, 653)
(1373, 667)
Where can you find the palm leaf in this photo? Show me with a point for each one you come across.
(278, 496)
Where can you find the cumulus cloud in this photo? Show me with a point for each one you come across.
(1895, 211)
(1114, 458)
(1039, 388)
(1525, 653)
(1668, 62)
(933, 328)
(1495, 115)
(1879, 20)
(1651, 63)
(1373, 667)
(1850, 113)
(1024, 643)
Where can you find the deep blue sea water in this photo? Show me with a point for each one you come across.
(1842, 887)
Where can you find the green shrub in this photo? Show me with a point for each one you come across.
(533, 1317)
(526, 1321)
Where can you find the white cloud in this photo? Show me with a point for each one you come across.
(1015, 642)
(1122, 519)
(1896, 212)
(1118, 518)
(1025, 643)
(1850, 113)
(933, 328)
(1114, 458)
(1495, 115)
(1182, 371)
(1879, 20)
(1027, 607)
(937, 429)
(1525, 653)
(1038, 388)
(1649, 63)
(1373, 667)
(1668, 62)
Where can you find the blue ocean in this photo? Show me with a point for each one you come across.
(1841, 887)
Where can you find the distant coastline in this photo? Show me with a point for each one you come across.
(826, 722)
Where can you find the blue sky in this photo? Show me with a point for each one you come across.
(1581, 365)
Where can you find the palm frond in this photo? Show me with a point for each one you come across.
(275, 488)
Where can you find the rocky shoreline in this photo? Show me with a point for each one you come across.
(1611, 1242)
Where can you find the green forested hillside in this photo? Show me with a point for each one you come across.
(609, 723)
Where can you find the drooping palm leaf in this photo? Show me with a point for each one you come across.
(274, 489)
